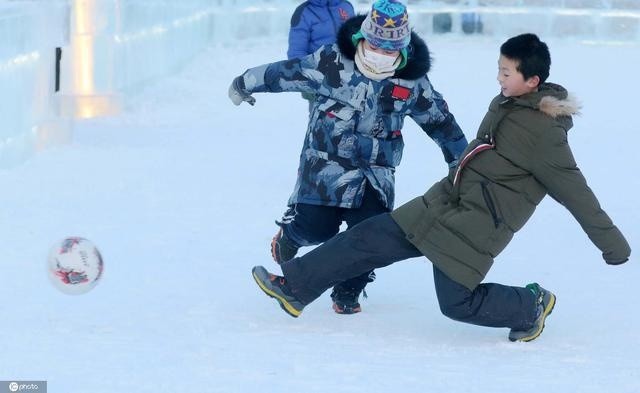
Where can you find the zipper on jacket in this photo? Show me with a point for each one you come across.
(489, 201)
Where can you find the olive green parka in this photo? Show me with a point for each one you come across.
(520, 155)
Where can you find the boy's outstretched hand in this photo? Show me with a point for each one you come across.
(237, 92)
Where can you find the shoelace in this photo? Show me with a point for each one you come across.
(273, 277)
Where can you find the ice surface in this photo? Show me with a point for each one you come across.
(180, 193)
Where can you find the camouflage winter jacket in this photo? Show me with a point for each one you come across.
(355, 124)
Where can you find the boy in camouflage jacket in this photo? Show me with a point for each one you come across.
(366, 84)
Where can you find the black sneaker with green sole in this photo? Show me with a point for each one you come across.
(545, 301)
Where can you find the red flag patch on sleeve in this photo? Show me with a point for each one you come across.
(400, 93)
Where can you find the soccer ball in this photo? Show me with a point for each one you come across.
(75, 265)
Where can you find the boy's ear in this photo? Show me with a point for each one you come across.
(533, 82)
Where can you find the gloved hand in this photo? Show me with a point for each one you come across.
(237, 92)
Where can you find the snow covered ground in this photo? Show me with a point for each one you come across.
(180, 194)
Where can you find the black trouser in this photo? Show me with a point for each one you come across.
(379, 242)
(308, 225)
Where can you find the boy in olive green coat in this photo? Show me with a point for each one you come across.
(463, 222)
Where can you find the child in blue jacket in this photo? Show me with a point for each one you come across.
(315, 23)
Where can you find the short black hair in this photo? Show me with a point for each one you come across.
(532, 55)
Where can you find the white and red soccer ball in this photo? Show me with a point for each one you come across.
(75, 265)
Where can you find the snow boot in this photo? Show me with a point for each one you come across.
(545, 301)
(345, 295)
(276, 287)
(345, 301)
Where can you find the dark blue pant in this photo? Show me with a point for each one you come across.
(379, 242)
(309, 225)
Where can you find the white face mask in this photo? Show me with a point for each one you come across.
(378, 62)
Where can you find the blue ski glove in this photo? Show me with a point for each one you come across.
(237, 92)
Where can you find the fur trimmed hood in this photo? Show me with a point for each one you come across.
(553, 100)
(556, 107)
(418, 56)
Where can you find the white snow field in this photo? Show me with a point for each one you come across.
(180, 194)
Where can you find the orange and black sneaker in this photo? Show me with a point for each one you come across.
(345, 301)
(276, 287)
(282, 249)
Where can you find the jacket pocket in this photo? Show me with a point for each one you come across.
(488, 200)
(476, 219)
(502, 235)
